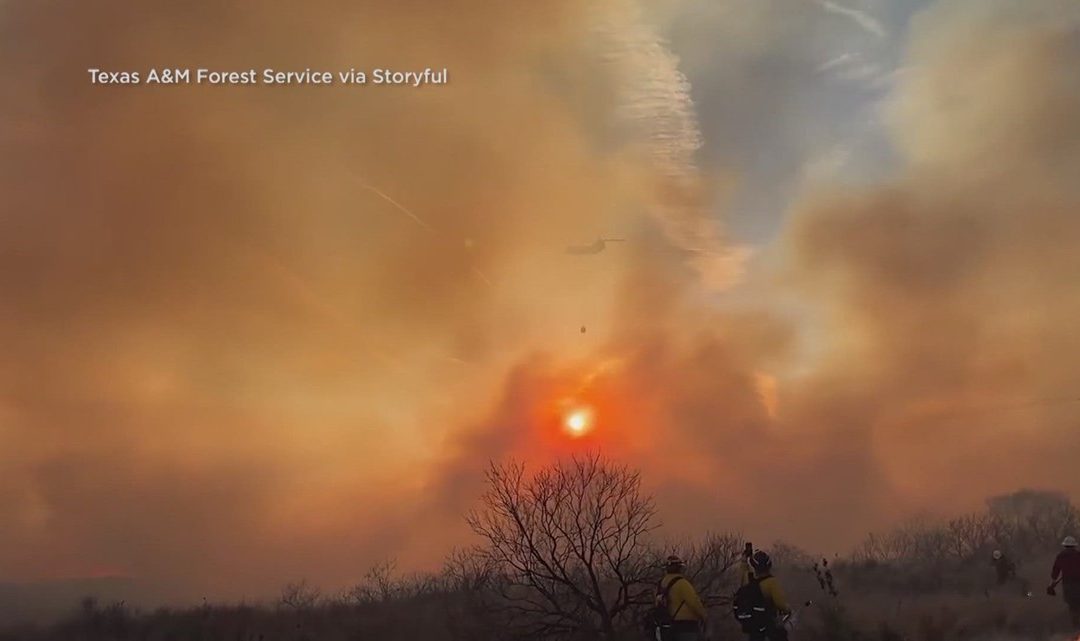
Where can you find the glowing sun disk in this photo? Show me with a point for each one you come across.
(579, 422)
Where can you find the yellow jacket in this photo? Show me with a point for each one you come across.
(683, 601)
(774, 594)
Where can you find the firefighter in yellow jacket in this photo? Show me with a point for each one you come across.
(767, 625)
(683, 603)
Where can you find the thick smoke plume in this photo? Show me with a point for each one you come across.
(929, 360)
(253, 334)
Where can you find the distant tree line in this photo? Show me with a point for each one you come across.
(571, 552)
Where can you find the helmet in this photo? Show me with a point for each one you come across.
(1069, 542)
(674, 561)
(997, 555)
(760, 560)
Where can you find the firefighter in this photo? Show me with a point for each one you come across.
(760, 604)
(687, 615)
(1066, 571)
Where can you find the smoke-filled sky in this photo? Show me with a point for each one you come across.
(254, 334)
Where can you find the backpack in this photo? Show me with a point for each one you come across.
(660, 618)
(750, 607)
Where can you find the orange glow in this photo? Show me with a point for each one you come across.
(767, 392)
(579, 422)
(587, 407)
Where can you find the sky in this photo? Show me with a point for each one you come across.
(258, 334)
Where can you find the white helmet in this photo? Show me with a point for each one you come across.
(997, 555)
(1069, 542)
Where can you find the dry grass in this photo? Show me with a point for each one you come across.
(865, 616)
(925, 583)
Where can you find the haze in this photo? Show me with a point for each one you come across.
(255, 334)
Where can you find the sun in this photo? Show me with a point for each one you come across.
(578, 422)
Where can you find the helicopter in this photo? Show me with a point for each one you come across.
(594, 248)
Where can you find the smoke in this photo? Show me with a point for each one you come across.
(865, 21)
(927, 363)
(254, 334)
(953, 282)
(653, 101)
(239, 322)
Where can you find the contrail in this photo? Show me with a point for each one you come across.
(420, 221)
(864, 20)
(482, 276)
(655, 102)
(834, 62)
(402, 208)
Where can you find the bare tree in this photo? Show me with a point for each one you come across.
(968, 535)
(469, 570)
(787, 555)
(709, 563)
(471, 614)
(569, 544)
(300, 596)
(1033, 520)
(382, 584)
(379, 585)
(885, 548)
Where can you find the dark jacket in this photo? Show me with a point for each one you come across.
(1005, 569)
(1067, 566)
